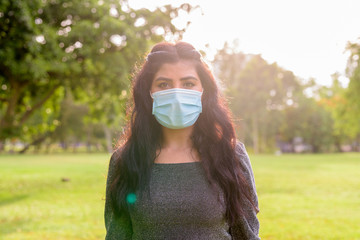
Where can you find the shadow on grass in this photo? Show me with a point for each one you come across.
(12, 199)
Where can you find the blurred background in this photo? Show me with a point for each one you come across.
(289, 70)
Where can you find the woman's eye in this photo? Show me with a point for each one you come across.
(163, 85)
(189, 84)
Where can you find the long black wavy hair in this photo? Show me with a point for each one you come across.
(213, 136)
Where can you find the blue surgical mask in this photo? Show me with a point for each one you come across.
(177, 108)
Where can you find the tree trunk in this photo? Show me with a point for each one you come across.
(7, 121)
(107, 132)
(338, 144)
(316, 148)
(255, 130)
(75, 147)
(47, 149)
(2, 145)
(35, 142)
(88, 139)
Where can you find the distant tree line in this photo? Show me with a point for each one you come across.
(275, 110)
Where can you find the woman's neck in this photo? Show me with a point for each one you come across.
(177, 139)
(177, 147)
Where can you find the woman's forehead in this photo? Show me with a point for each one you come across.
(182, 67)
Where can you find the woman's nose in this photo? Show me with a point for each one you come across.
(177, 84)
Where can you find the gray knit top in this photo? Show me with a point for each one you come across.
(181, 204)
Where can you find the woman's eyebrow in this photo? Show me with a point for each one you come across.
(189, 78)
(163, 79)
(181, 79)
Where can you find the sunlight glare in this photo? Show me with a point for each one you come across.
(306, 37)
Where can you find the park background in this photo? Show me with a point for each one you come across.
(65, 77)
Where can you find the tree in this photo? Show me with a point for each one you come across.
(86, 46)
(258, 92)
(332, 99)
(350, 116)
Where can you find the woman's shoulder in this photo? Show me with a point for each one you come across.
(240, 147)
(242, 154)
(113, 161)
(115, 155)
(244, 160)
(247, 171)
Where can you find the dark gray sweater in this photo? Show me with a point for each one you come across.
(181, 205)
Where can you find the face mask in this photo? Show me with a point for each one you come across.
(177, 108)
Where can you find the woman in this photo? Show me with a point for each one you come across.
(179, 173)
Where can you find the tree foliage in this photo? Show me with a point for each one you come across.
(271, 107)
(88, 47)
(350, 112)
(344, 103)
(258, 91)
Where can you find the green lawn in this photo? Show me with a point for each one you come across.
(301, 196)
(309, 196)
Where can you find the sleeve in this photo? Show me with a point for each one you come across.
(248, 226)
(118, 226)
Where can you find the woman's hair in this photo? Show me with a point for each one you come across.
(213, 136)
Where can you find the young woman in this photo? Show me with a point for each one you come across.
(179, 172)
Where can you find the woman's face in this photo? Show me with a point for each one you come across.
(181, 74)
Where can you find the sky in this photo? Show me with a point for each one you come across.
(307, 37)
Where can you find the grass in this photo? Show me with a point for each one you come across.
(301, 196)
(309, 196)
(36, 204)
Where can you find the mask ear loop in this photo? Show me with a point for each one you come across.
(152, 105)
